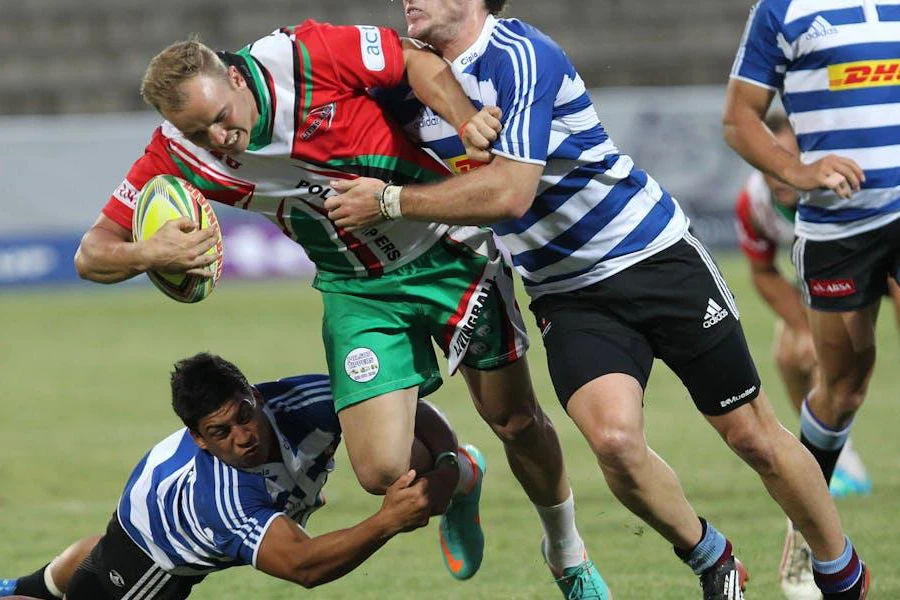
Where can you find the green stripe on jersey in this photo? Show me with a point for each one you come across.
(386, 168)
(307, 80)
(261, 136)
(317, 242)
(198, 181)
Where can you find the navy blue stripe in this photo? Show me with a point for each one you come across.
(520, 50)
(186, 450)
(888, 13)
(881, 179)
(587, 227)
(555, 278)
(845, 54)
(817, 214)
(837, 16)
(575, 145)
(555, 196)
(582, 102)
(648, 230)
(798, 102)
(872, 137)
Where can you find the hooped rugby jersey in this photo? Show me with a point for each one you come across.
(762, 224)
(595, 213)
(836, 64)
(193, 514)
(317, 123)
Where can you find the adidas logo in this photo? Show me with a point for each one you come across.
(820, 28)
(714, 314)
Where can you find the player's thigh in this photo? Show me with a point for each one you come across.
(608, 411)
(584, 342)
(378, 434)
(374, 345)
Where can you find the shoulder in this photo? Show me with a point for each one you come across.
(519, 49)
(301, 403)
(513, 33)
(772, 12)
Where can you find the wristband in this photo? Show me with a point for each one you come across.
(389, 202)
(462, 127)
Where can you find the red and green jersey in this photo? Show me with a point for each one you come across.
(317, 123)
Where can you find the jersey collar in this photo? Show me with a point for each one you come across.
(259, 85)
(471, 54)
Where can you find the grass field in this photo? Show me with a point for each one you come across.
(83, 395)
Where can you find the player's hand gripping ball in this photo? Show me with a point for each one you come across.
(165, 198)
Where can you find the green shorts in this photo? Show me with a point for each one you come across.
(378, 331)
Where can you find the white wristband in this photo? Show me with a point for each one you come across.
(391, 195)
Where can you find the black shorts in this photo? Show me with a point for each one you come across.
(675, 306)
(117, 568)
(849, 273)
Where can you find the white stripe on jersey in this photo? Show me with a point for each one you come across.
(521, 53)
(855, 117)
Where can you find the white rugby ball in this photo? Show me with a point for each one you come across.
(165, 198)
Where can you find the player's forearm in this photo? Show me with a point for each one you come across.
(480, 198)
(782, 297)
(432, 80)
(105, 257)
(747, 134)
(333, 555)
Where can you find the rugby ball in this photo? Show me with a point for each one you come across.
(165, 198)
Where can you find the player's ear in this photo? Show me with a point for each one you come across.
(258, 396)
(235, 77)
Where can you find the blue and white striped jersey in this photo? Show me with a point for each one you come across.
(837, 66)
(595, 213)
(193, 514)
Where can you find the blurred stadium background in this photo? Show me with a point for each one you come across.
(83, 369)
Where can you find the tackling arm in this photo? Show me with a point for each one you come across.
(779, 294)
(288, 553)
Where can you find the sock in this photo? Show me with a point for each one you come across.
(710, 551)
(563, 546)
(467, 471)
(823, 442)
(840, 574)
(38, 585)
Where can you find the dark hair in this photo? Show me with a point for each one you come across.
(495, 7)
(777, 122)
(203, 383)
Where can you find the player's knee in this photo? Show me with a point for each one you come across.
(518, 428)
(754, 445)
(376, 478)
(618, 448)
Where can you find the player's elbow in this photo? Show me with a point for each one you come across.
(82, 265)
(308, 578)
(515, 204)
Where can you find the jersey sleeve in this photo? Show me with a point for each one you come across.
(362, 56)
(529, 74)
(237, 511)
(755, 246)
(155, 161)
(761, 57)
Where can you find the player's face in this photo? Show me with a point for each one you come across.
(238, 433)
(436, 22)
(219, 114)
(783, 193)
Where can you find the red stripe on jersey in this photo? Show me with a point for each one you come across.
(450, 329)
(360, 250)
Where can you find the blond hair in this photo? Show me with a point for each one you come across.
(161, 86)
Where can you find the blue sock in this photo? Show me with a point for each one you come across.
(8, 587)
(840, 574)
(822, 441)
(709, 551)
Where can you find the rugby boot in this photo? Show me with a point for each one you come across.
(725, 581)
(795, 574)
(581, 582)
(462, 540)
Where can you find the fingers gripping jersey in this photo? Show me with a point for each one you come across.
(595, 213)
(317, 123)
(192, 514)
(836, 64)
(762, 225)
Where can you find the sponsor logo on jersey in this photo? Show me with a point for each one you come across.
(370, 47)
(116, 579)
(820, 28)
(741, 396)
(463, 164)
(427, 120)
(361, 365)
(714, 314)
(832, 288)
(469, 58)
(126, 194)
(863, 74)
(467, 329)
(322, 115)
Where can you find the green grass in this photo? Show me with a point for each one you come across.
(83, 394)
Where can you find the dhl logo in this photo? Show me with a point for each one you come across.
(864, 73)
(463, 164)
